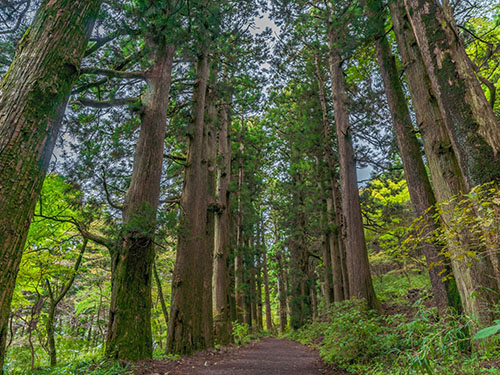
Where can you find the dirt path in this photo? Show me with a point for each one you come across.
(267, 357)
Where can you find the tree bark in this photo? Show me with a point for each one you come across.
(360, 281)
(473, 128)
(446, 175)
(33, 97)
(129, 334)
(267, 297)
(419, 186)
(258, 285)
(222, 283)
(282, 291)
(191, 312)
(238, 261)
(335, 232)
(300, 307)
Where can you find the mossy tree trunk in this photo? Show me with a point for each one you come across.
(222, 282)
(473, 127)
(419, 186)
(210, 151)
(33, 97)
(129, 334)
(360, 280)
(190, 326)
(300, 304)
(446, 174)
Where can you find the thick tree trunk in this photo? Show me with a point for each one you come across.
(360, 281)
(55, 300)
(238, 261)
(191, 311)
(222, 283)
(129, 334)
(447, 177)
(473, 128)
(335, 232)
(33, 96)
(211, 125)
(300, 307)
(419, 186)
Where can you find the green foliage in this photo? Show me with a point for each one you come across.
(81, 368)
(474, 216)
(416, 342)
(241, 333)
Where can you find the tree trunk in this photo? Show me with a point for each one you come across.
(325, 239)
(360, 281)
(211, 125)
(473, 128)
(192, 280)
(447, 177)
(267, 297)
(313, 294)
(129, 334)
(238, 261)
(419, 186)
(300, 308)
(33, 97)
(222, 283)
(258, 288)
(282, 292)
(335, 232)
(327, 265)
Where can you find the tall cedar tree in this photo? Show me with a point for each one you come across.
(360, 281)
(419, 186)
(190, 325)
(129, 334)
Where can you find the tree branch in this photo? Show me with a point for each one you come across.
(102, 104)
(106, 191)
(112, 73)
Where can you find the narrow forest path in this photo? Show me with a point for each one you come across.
(267, 357)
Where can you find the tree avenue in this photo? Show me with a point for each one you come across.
(179, 176)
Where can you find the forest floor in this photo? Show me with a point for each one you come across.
(268, 356)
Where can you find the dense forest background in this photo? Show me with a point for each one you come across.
(175, 176)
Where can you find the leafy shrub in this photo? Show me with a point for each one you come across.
(353, 334)
(241, 333)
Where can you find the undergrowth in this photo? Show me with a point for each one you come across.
(416, 342)
(81, 368)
